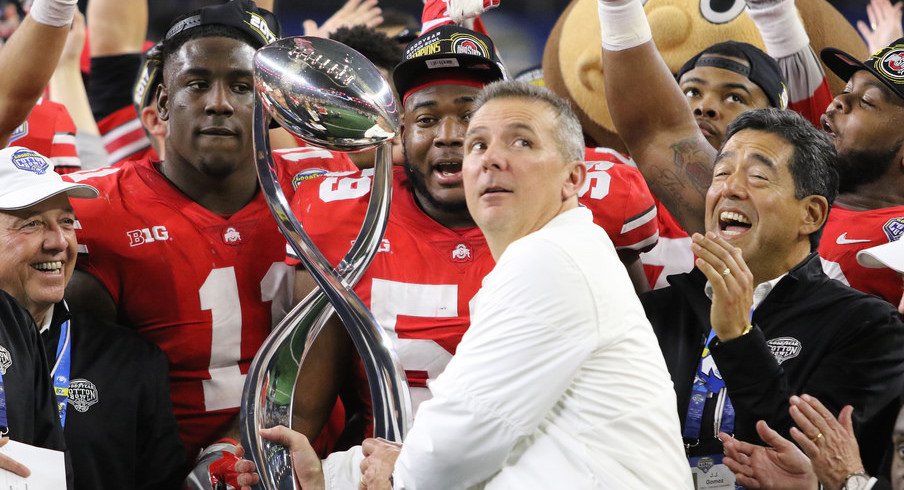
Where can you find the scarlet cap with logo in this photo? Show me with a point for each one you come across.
(447, 51)
(887, 65)
(890, 255)
(27, 178)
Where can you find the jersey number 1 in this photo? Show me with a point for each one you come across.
(220, 295)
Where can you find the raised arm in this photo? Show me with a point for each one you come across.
(45, 28)
(652, 115)
(117, 26)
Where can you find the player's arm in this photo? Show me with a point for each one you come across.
(635, 272)
(652, 116)
(66, 85)
(86, 294)
(324, 371)
(117, 26)
(22, 83)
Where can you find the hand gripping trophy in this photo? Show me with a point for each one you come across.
(332, 97)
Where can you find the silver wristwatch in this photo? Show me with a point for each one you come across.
(856, 481)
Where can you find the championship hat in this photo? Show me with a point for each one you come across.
(887, 65)
(27, 178)
(447, 52)
(763, 70)
(148, 77)
(243, 15)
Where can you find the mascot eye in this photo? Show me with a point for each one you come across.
(721, 11)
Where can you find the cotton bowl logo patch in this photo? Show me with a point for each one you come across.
(82, 394)
(892, 65)
(6, 360)
(30, 161)
(465, 44)
(784, 348)
(307, 174)
(894, 228)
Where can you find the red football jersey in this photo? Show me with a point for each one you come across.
(620, 201)
(50, 131)
(205, 288)
(672, 251)
(421, 279)
(124, 137)
(847, 232)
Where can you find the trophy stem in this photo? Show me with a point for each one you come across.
(270, 383)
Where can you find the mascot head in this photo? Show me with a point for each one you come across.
(572, 60)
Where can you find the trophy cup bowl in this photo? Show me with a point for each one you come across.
(332, 97)
(319, 90)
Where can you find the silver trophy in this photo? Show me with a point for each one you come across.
(332, 97)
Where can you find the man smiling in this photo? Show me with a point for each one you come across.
(759, 321)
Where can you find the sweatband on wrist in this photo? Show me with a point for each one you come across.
(53, 13)
(782, 30)
(623, 24)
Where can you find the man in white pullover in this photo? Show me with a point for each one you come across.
(559, 381)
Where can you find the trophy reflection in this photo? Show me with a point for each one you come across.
(332, 97)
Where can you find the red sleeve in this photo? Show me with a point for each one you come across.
(63, 151)
(620, 200)
(123, 135)
(814, 106)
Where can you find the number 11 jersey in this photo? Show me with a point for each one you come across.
(205, 288)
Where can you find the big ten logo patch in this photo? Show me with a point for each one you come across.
(147, 235)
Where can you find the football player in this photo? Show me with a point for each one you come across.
(184, 250)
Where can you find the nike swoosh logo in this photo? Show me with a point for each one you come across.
(844, 240)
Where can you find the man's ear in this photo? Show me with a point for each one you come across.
(814, 213)
(152, 122)
(577, 174)
(162, 97)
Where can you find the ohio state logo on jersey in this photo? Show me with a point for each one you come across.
(894, 228)
(82, 394)
(6, 360)
(232, 236)
(461, 253)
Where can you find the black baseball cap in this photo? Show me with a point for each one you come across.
(243, 15)
(887, 65)
(447, 50)
(763, 70)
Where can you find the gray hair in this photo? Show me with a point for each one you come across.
(569, 136)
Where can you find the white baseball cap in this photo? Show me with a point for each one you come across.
(889, 255)
(27, 178)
